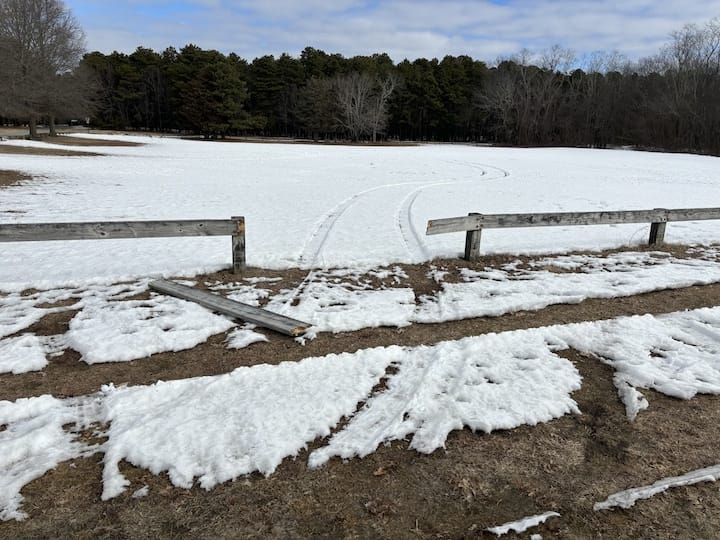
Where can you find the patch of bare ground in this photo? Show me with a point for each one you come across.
(10, 178)
(68, 140)
(477, 481)
(39, 151)
(287, 140)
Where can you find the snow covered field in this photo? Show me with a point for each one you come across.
(346, 215)
(334, 206)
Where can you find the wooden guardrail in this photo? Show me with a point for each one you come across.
(475, 223)
(107, 230)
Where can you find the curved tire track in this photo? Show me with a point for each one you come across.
(412, 238)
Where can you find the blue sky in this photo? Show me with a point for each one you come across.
(483, 29)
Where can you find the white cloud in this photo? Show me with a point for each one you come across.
(402, 28)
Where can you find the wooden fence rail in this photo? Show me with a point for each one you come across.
(107, 230)
(475, 223)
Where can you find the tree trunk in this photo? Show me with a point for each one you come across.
(32, 125)
(51, 125)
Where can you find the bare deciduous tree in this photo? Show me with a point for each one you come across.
(41, 44)
(353, 95)
(378, 110)
(362, 101)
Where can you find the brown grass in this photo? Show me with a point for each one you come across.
(36, 151)
(68, 140)
(10, 178)
(477, 481)
(285, 140)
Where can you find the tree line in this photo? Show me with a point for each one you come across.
(41, 45)
(668, 101)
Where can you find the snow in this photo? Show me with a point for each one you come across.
(218, 428)
(361, 208)
(628, 498)
(522, 525)
(491, 382)
(340, 301)
(346, 215)
(34, 442)
(244, 337)
(140, 493)
(214, 429)
(111, 327)
(332, 206)
(22, 354)
(677, 354)
(120, 331)
(497, 292)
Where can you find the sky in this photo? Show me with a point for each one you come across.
(483, 29)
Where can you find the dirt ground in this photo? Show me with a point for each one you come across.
(64, 140)
(9, 178)
(289, 140)
(477, 481)
(38, 151)
(68, 140)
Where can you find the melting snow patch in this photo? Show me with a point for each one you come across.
(522, 525)
(29, 352)
(140, 493)
(121, 331)
(628, 498)
(341, 301)
(243, 337)
(17, 313)
(496, 292)
(496, 381)
(218, 428)
(676, 354)
(34, 441)
(22, 354)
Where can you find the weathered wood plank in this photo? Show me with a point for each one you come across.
(238, 244)
(220, 304)
(106, 230)
(657, 233)
(472, 244)
(692, 214)
(500, 221)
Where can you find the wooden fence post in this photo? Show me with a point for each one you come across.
(657, 231)
(472, 242)
(238, 244)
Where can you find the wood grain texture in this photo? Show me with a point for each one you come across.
(106, 230)
(556, 219)
(220, 304)
(238, 244)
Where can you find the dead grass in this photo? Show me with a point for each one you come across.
(10, 178)
(68, 140)
(286, 140)
(37, 151)
(477, 481)
(64, 140)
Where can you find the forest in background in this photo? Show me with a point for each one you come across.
(670, 101)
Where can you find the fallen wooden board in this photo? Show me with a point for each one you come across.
(215, 302)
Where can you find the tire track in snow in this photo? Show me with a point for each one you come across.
(413, 238)
(314, 245)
